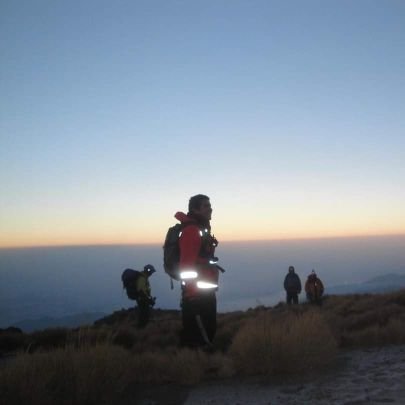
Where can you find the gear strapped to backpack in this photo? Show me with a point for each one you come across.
(129, 279)
(171, 251)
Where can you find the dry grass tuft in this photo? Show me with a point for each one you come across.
(65, 376)
(367, 319)
(101, 373)
(180, 366)
(283, 343)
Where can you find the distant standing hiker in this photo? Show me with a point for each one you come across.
(137, 286)
(314, 288)
(292, 286)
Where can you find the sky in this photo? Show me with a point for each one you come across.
(288, 114)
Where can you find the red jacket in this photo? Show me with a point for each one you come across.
(314, 287)
(197, 246)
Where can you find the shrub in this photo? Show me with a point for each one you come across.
(48, 338)
(11, 339)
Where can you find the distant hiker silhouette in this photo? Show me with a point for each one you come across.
(192, 244)
(314, 288)
(137, 286)
(292, 286)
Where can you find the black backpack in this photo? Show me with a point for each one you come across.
(171, 251)
(129, 279)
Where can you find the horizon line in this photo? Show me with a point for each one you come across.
(359, 236)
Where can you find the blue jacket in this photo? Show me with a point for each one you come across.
(292, 283)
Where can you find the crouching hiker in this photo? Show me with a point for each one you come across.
(137, 286)
(314, 289)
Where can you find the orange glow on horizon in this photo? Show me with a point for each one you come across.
(124, 229)
(155, 241)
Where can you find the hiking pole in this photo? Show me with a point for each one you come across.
(221, 269)
(202, 330)
(214, 261)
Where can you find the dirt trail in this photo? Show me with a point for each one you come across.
(369, 376)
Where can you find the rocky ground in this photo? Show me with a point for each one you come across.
(368, 376)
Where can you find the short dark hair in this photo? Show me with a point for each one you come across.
(196, 201)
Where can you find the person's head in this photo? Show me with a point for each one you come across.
(149, 270)
(200, 205)
(291, 269)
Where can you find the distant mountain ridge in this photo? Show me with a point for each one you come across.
(70, 321)
(384, 283)
(380, 284)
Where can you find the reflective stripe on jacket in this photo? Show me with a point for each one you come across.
(195, 253)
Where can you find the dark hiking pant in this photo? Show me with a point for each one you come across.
(292, 298)
(314, 299)
(143, 312)
(199, 318)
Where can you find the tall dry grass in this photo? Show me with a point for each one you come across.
(291, 343)
(100, 374)
(361, 320)
(95, 375)
(94, 365)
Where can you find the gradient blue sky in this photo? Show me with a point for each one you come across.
(288, 114)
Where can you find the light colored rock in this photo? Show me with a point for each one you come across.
(369, 376)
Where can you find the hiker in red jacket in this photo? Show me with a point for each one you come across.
(198, 273)
(314, 288)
